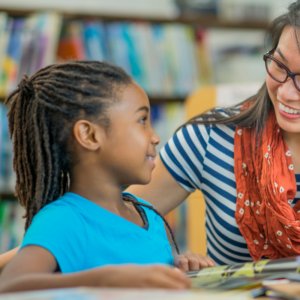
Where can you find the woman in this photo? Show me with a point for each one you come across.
(241, 159)
(244, 161)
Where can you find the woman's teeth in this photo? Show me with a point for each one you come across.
(289, 110)
(149, 157)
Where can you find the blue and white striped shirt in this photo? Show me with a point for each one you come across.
(202, 157)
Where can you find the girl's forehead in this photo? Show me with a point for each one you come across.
(131, 98)
(134, 95)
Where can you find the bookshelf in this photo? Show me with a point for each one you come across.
(168, 110)
(191, 19)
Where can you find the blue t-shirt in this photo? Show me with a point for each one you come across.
(82, 235)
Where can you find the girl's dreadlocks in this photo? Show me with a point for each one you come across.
(43, 110)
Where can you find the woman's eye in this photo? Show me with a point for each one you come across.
(279, 66)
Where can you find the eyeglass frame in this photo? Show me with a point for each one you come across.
(289, 73)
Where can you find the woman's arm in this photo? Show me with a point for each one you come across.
(6, 257)
(32, 269)
(164, 192)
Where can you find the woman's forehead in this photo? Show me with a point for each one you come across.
(290, 39)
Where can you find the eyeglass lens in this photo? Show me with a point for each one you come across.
(278, 73)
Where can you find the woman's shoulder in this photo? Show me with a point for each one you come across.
(191, 132)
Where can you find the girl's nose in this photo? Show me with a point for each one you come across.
(155, 138)
(287, 91)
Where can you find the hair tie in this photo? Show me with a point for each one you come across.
(25, 86)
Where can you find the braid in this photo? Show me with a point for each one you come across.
(134, 201)
(42, 113)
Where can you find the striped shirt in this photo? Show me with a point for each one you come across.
(202, 157)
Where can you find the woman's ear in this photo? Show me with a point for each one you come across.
(88, 135)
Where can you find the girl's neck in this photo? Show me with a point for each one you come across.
(98, 189)
(103, 191)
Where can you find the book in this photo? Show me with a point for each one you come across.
(12, 224)
(7, 176)
(244, 275)
(27, 44)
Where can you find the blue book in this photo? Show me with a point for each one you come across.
(95, 41)
(117, 45)
(134, 56)
(14, 55)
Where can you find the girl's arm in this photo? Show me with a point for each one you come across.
(6, 257)
(163, 192)
(32, 269)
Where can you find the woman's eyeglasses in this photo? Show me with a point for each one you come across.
(278, 71)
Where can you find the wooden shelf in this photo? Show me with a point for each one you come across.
(153, 100)
(7, 197)
(193, 19)
(156, 100)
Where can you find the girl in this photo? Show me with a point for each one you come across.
(81, 131)
(245, 161)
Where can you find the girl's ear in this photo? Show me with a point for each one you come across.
(88, 135)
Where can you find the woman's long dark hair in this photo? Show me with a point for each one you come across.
(256, 115)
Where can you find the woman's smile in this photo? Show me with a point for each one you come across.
(288, 112)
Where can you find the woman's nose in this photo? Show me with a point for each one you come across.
(287, 90)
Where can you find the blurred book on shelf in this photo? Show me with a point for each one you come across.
(28, 44)
(7, 176)
(236, 55)
(198, 6)
(169, 60)
(232, 11)
(12, 224)
(245, 10)
(162, 58)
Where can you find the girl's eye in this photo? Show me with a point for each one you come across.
(143, 120)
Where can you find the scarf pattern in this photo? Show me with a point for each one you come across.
(266, 187)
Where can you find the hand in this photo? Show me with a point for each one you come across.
(135, 276)
(192, 262)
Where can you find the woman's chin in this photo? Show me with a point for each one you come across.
(291, 126)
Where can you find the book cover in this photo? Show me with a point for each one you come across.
(244, 275)
(95, 41)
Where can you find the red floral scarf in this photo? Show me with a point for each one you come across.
(266, 186)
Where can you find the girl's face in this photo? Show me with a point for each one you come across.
(285, 95)
(129, 148)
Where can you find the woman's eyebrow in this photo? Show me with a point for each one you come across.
(146, 108)
(280, 53)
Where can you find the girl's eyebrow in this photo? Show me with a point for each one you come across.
(146, 108)
(280, 53)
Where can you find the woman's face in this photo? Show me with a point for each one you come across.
(285, 96)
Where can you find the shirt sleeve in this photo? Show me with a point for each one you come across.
(61, 232)
(184, 154)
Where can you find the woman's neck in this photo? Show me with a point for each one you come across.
(292, 140)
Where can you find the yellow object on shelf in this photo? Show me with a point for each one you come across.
(198, 102)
